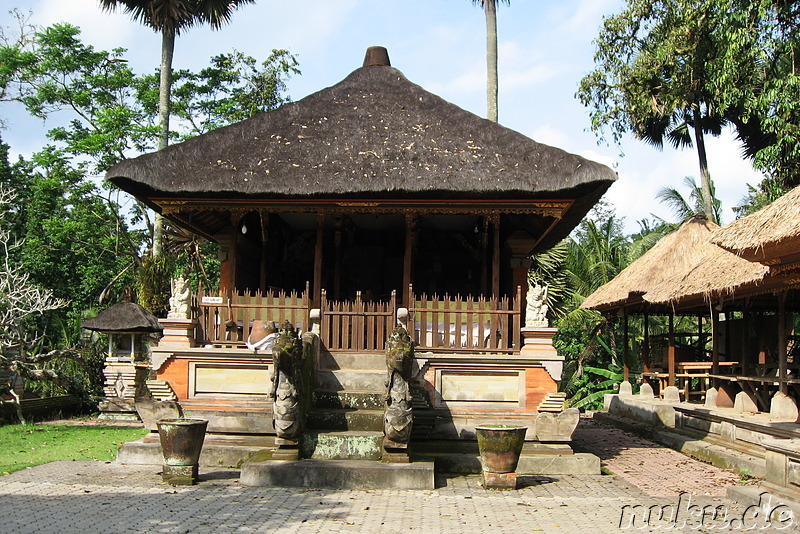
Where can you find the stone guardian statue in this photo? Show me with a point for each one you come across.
(536, 309)
(180, 302)
(289, 388)
(398, 417)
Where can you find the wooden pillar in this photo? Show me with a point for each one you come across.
(646, 351)
(745, 341)
(495, 256)
(337, 266)
(484, 253)
(671, 351)
(408, 258)
(318, 259)
(782, 342)
(626, 351)
(714, 345)
(263, 282)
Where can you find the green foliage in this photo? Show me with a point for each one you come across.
(24, 446)
(548, 268)
(153, 284)
(683, 208)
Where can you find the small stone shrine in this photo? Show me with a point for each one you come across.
(127, 364)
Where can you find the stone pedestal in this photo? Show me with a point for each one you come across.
(625, 389)
(538, 345)
(177, 332)
(711, 398)
(394, 452)
(646, 391)
(180, 475)
(745, 403)
(499, 480)
(672, 395)
(124, 382)
(288, 450)
(783, 407)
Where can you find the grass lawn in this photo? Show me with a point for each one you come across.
(24, 446)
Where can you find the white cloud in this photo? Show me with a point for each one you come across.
(548, 135)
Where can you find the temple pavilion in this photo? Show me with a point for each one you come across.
(363, 198)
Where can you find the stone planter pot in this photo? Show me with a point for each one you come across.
(182, 440)
(500, 447)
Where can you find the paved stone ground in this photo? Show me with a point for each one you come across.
(654, 469)
(88, 497)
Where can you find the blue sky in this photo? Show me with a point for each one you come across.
(545, 48)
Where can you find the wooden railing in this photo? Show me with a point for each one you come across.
(448, 323)
(462, 324)
(227, 318)
(357, 325)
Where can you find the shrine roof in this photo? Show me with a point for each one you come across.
(374, 134)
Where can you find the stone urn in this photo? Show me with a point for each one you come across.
(500, 447)
(181, 443)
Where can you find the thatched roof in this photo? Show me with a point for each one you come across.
(716, 273)
(677, 251)
(123, 317)
(373, 134)
(766, 234)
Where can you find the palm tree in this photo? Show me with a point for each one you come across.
(169, 17)
(490, 7)
(696, 203)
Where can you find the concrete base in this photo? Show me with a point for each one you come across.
(649, 411)
(180, 475)
(646, 391)
(625, 388)
(338, 474)
(782, 407)
(672, 395)
(349, 445)
(711, 398)
(217, 451)
(499, 480)
(745, 403)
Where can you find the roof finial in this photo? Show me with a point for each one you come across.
(377, 56)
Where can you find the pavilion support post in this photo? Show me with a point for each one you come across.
(262, 275)
(337, 267)
(495, 256)
(782, 342)
(408, 258)
(626, 372)
(745, 342)
(715, 340)
(671, 351)
(484, 247)
(318, 259)
(646, 349)
(228, 241)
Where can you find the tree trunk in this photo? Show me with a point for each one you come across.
(705, 176)
(164, 89)
(490, 6)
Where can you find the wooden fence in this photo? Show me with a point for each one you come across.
(449, 323)
(357, 325)
(465, 324)
(227, 318)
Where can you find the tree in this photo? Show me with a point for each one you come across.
(20, 301)
(664, 74)
(687, 208)
(490, 8)
(170, 17)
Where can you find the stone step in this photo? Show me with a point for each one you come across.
(374, 381)
(339, 419)
(367, 361)
(161, 390)
(350, 400)
(347, 445)
(218, 451)
(553, 402)
(338, 474)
